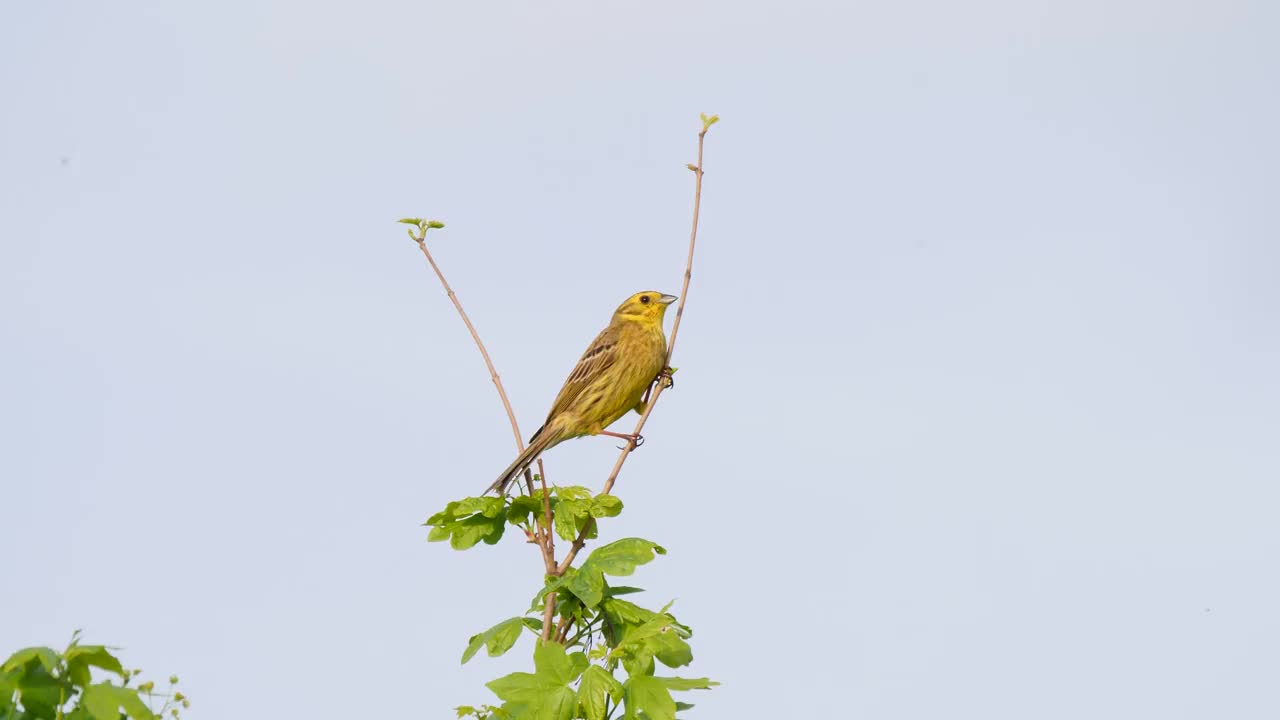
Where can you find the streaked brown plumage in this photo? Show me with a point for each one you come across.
(609, 379)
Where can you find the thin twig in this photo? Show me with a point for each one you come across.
(693, 238)
(548, 534)
(671, 346)
(548, 551)
(562, 629)
(493, 373)
(421, 239)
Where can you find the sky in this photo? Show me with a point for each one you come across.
(977, 410)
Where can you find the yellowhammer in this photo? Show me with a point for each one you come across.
(609, 380)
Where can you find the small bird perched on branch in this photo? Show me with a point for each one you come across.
(610, 379)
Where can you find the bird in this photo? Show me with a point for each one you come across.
(610, 378)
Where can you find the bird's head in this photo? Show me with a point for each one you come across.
(648, 305)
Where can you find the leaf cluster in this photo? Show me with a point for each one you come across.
(470, 521)
(549, 693)
(601, 661)
(40, 683)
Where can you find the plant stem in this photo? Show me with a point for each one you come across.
(548, 612)
(582, 631)
(656, 390)
(548, 536)
(546, 540)
(421, 239)
(493, 372)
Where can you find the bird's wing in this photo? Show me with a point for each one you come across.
(601, 355)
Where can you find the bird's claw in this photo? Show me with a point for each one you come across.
(665, 379)
(632, 443)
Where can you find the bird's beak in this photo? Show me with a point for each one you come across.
(667, 299)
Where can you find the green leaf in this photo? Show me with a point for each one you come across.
(558, 704)
(551, 662)
(652, 695)
(469, 521)
(571, 516)
(573, 492)
(7, 688)
(544, 694)
(475, 529)
(620, 558)
(679, 683)
(97, 656)
(30, 672)
(596, 685)
(78, 673)
(605, 506)
(410, 221)
(133, 705)
(647, 694)
(670, 649)
(47, 657)
(497, 639)
(517, 687)
(637, 660)
(644, 635)
(523, 507)
(555, 584)
(104, 701)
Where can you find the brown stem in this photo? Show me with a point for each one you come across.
(493, 373)
(693, 238)
(421, 239)
(548, 535)
(548, 551)
(548, 612)
(656, 390)
(562, 629)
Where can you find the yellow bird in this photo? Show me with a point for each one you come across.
(609, 379)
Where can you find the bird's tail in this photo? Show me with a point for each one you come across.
(537, 444)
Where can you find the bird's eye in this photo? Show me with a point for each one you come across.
(644, 299)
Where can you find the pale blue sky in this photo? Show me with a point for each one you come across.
(977, 410)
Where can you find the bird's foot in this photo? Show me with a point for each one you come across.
(633, 441)
(665, 378)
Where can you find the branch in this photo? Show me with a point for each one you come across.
(562, 629)
(548, 553)
(548, 612)
(581, 540)
(421, 239)
(423, 226)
